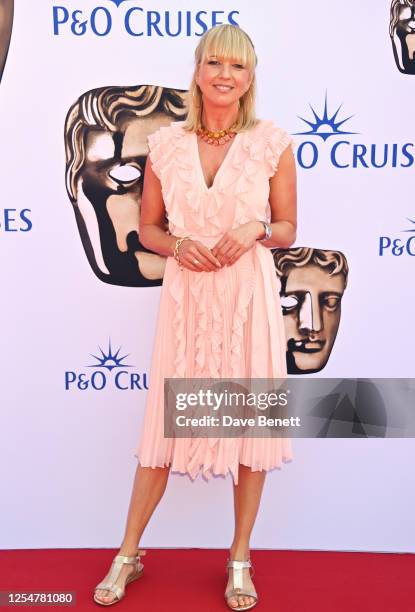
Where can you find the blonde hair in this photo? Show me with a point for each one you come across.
(228, 42)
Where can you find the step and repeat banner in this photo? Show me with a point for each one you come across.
(83, 83)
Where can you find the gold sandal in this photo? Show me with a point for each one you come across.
(237, 584)
(116, 566)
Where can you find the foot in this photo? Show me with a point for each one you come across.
(107, 596)
(241, 600)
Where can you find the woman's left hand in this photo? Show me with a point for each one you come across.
(237, 241)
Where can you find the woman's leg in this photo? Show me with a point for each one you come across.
(148, 489)
(247, 496)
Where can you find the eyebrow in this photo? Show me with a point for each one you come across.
(302, 291)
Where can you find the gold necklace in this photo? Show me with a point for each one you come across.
(216, 137)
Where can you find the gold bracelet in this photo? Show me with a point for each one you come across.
(176, 248)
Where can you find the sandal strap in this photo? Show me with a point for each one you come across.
(238, 564)
(238, 577)
(121, 559)
(109, 586)
(117, 563)
(238, 592)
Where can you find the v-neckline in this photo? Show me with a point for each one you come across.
(219, 170)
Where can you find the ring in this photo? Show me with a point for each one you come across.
(195, 261)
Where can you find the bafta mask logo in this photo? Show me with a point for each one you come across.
(106, 146)
(312, 286)
(402, 32)
(6, 24)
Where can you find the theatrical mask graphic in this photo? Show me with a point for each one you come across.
(6, 24)
(312, 286)
(106, 146)
(402, 32)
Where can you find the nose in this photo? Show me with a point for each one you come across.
(225, 71)
(309, 316)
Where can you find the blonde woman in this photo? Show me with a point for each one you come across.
(227, 182)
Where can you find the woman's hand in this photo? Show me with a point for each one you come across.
(191, 250)
(236, 242)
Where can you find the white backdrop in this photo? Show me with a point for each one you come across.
(66, 458)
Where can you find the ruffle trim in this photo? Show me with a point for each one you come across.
(190, 461)
(173, 160)
(207, 291)
(174, 165)
(260, 149)
(246, 270)
(265, 145)
(278, 140)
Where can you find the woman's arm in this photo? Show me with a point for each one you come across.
(283, 202)
(151, 229)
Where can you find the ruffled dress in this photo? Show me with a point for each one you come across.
(226, 323)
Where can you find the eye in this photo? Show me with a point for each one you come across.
(405, 13)
(239, 66)
(213, 62)
(331, 302)
(125, 174)
(289, 302)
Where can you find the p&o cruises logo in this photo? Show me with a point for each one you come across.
(390, 245)
(129, 17)
(110, 370)
(326, 135)
(15, 220)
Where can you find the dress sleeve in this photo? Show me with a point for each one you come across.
(162, 146)
(156, 147)
(276, 142)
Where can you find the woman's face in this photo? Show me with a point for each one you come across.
(222, 81)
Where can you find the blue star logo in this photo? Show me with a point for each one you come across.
(118, 2)
(325, 125)
(109, 360)
(412, 230)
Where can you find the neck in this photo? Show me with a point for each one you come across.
(214, 118)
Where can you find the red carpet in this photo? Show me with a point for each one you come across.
(194, 580)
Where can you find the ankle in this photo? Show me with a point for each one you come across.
(239, 552)
(128, 551)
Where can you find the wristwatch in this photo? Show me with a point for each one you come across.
(268, 231)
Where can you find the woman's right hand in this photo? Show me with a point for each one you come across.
(191, 250)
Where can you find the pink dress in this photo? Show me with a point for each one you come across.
(225, 323)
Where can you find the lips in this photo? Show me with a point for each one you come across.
(223, 88)
(306, 345)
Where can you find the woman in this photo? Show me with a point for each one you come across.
(219, 175)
